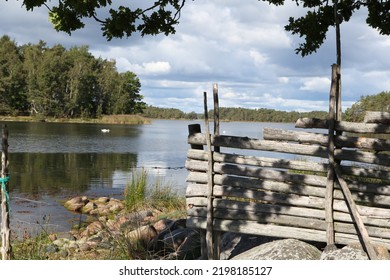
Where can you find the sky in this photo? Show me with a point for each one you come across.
(239, 45)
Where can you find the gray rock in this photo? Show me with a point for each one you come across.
(233, 244)
(75, 204)
(286, 249)
(354, 251)
(51, 248)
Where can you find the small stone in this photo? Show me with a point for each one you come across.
(162, 224)
(145, 234)
(87, 208)
(101, 200)
(51, 248)
(75, 204)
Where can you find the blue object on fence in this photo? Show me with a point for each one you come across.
(3, 188)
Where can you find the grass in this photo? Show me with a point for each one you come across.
(124, 119)
(135, 190)
(106, 119)
(161, 197)
(139, 195)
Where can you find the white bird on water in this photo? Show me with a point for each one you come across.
(105, 130)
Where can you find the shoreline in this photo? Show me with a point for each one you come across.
(107, 119)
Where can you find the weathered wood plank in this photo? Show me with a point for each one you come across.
(365, 191)
(377, 117)
(270, 209)
(300, 165)
(291, 148)
(285, 219)
(277, 134)
(315, 203)
(260, 161)
(352, 127)
(237, 142)
(363, 157)
(251, 227)
(250, 190)
(261, 173)
(311, 123)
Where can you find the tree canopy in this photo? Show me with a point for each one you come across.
(323, 14)
(55, 82)
(162, 16)
(378, 102)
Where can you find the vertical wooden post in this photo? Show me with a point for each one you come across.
(216, 114)
(210, 180)
(5, 227)
(217, 234)
(339, 112)
(330, 235)
(338, 62)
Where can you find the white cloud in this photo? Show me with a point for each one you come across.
(152, 68)
(258, 58)
(241, 45)
(284, 80)
(316, 84)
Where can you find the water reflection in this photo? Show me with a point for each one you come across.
(60, 173)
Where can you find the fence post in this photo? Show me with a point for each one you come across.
(330, 234)
(210, 180)
(5, 227)
(217, 149)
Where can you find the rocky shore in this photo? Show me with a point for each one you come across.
(112, 232)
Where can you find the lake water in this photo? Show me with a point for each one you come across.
(51, 162)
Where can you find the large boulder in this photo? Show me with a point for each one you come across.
(286, 249)
(233, 244)
(354, 251)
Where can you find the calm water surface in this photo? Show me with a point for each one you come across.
(50, 162)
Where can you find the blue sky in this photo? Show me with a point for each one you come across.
(241, 45)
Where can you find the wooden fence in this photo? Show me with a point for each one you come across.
(286, 196)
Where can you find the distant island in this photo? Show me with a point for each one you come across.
(233, 114)
(377, 102)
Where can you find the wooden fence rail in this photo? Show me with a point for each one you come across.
(285, 196)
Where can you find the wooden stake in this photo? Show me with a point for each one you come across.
(216, 114)
(217, 149)
(210, 218)
(5, 227)
(356, 216)
(330, 235)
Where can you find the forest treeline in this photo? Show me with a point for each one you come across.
(233, 114)
(379, 102)
(55, 82)
(70, 83)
